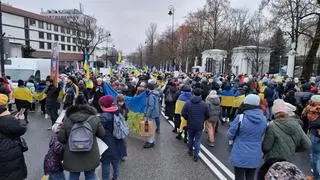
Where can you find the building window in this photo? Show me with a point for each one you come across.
(40, 24)
(49, 36)
(41, 45)
(73, 32)
(32, 22)
(79, 49)
(62, 29)
(74, 40)
(63, 47)
(48, 26)
(68, 39)
(62, 39)
(56, 28)
(41, 35)
(68, 30)
(48, 45)
(69, 47)
(74, 48)
(56, 37)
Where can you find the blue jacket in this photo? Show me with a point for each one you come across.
(268, 94)
(195, 112)
(152, 106)
(246, 151)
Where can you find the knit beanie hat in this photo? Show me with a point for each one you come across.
(252, 99)
(106, 101)
(284, 171)
(280, 106)
(315, 98)
(3, 99)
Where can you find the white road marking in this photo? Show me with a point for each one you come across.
(205, 159)
(218, 162)
(212, 167)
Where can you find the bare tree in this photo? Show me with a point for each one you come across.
(88, 34)
(151, 34)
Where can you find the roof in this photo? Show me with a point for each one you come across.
(250, 47)
(20, 12)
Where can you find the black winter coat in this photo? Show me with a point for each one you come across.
(12, 163)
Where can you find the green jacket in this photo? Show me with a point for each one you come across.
(81, 161)
(283, 138)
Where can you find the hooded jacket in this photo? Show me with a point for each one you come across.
(195, 112)
(283, 138)
(214, 109)
(81, 161)
(12, 161)
(246, 151)
(152, 106)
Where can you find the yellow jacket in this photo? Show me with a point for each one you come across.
(22, 93)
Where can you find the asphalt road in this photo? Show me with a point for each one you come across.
(168, 160)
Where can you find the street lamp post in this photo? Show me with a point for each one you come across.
(171, 13)
(1, 44)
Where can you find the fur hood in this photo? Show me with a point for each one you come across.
(79, 113)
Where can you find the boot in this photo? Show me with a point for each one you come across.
(179, 136)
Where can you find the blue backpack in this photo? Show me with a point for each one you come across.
(120, 127)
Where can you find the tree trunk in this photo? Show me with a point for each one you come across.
(307, 67)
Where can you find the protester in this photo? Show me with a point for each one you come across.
(270, 94)
(116, 147)
(12, 162)
(53, 159)
(23, 98)
(246, 134)
(284, 135)
(152, 109)
(171, 95)
(227, 100)
(71, 92)
(312, 113)
(40, 95)
(182, 99)
(52, 103)
(195, 112)
(98, 93)
(82, 161)
(213, 102)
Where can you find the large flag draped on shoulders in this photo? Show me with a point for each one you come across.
(134, 104)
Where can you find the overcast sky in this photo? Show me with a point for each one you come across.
(128, 19)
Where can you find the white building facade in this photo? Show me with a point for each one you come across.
(39, 32)
(250, 60)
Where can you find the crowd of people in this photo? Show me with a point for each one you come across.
(270, 118)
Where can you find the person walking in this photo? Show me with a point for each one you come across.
(83, 161)
(12, 162)
(284, 136)
(182, 99)
(195, 112)
(152, 109)
(116, 150)
(245, 134)
(270, 94)
(71, 92)
(52, 102)
(312, 113)
(97, 94)
(213, 102)
(23, 98)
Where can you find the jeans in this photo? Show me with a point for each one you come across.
(115, 162)
(57, 176)
(157, 120)
(269, 112)
(226, 111)
(244, 173)
(194, 141)
(315, 156)
(89, 175)
(152, 138)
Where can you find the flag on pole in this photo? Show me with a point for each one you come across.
(119, 57)
(86, 65)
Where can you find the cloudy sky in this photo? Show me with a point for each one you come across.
(128, 19)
